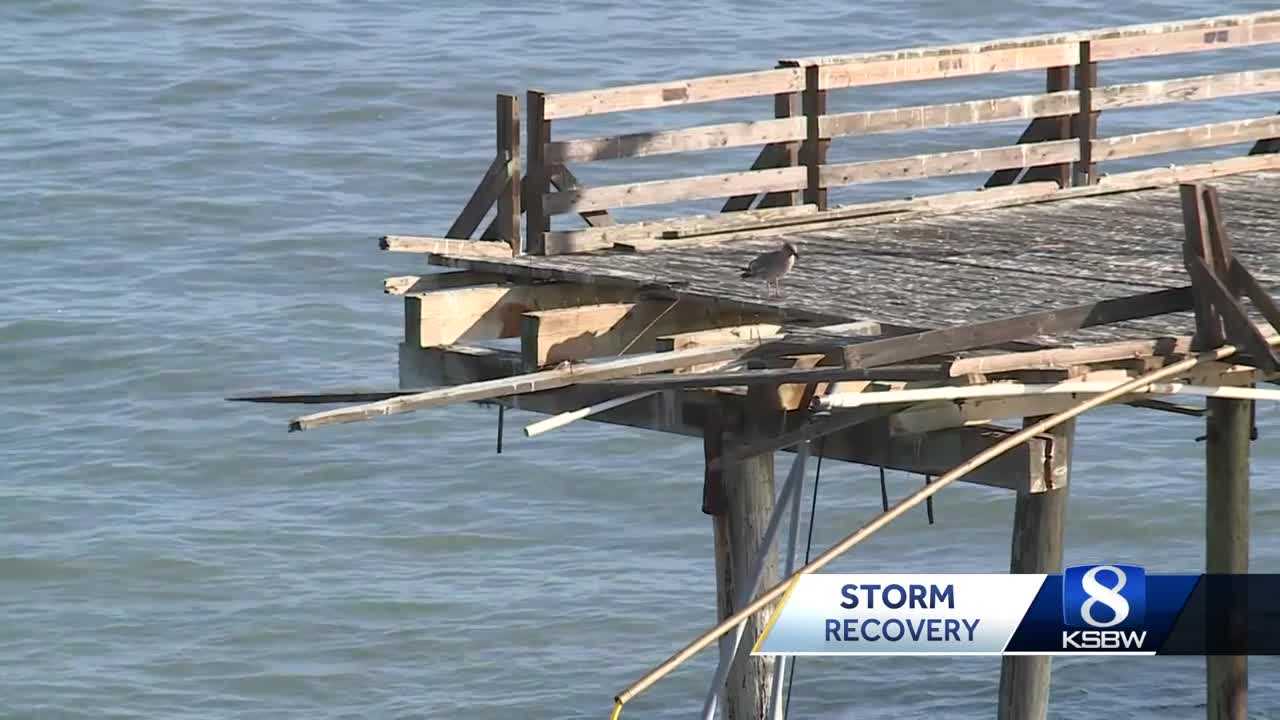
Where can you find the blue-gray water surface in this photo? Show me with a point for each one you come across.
(189, 196)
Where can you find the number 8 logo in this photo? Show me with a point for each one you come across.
(1109, 596)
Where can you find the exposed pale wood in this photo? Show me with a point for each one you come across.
(1228, 427)
(705, 137)
(669, 94)
(951, 163)
(610, 329)
(656, 192)
(445, 317)
(538, 173)
(1201, 87)
(506, 220)
(1200, 136)
(1209, 35)
(519, 384)
(405, 284)
(967, 337)
(1063, 358)
(444, 246)
(1039, 527)
(774, 376)
(961, 62)
(486, 193)
(1177, 174)
(571, 241)
(560, 420)
(922, 117)
(717, 336)
(845, 400)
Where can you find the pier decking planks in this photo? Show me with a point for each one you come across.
(959, 268)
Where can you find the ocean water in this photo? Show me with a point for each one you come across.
(189, 197)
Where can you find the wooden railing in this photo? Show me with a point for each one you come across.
(791, 174)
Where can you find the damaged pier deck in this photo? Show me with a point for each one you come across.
(954, 335)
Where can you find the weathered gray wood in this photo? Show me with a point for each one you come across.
(663, 142)
(670, 94)
(1227, 428)
(483, 198)
(815, 146)
(786, 105)
(976, 59)
(774, 376)
(1085, 122)
(1200, 136)
(951, 163)
(406, 284)
(563, 179)
(944, 115)
(1039, 522)
(1064, 358)
(771, 156)
(656, 192)
(1191, 36)
(747, 486)
(538, 173)
(506, 221)
(571, 241)
(1201, 87)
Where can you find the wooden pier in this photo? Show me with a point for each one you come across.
(986, 320)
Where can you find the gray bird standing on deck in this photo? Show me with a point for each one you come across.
(771, 266)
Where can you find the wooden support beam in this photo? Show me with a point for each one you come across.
(506, 220)
(787, 108)
(1086, 121)
(771, 156)
(1228, 425)
(612, 329)
(1039, 523)
(446, 317)
(967, 337)
(815, 146)
(444, 246)
(1200, 136)
(774, 376)
(485, 195)
(1064, 358)
(747, 487)
(564, 180)
(1051, 115)
(538, 178)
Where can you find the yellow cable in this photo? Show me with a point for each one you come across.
(617, 710)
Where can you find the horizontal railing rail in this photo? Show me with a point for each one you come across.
(792, 166)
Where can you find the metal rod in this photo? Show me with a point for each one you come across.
(977, 461)
(557, 421)
(776, 698)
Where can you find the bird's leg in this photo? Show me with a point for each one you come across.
(779, 282)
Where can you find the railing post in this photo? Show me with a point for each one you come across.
(1086, 123)
(539, 176)
(507, 221)
(785, 105)
(815, 148)
(1058, 79)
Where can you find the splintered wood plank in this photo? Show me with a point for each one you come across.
(1203, 87)
(657, 192)
(1200, 136)
(485, 195)
(945, 115)
(705, 137)
(611, 329)
(405, 284)
(1063, 358)
(976, 335)
(952, 163)
(669, 94)
(444, 246)
(445, 317)
(519, 384)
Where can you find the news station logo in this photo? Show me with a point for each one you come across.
(1104, 607)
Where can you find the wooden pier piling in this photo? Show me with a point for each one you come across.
(1228, 426)
(1039, 522)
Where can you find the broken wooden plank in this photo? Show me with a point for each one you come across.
(944, 115)
(407, 284)
(1201, 87)
(485, 195)
(1200, 136)
(1064, 358)
(673, 93)
(519, 384)
(445, 317)
(968, 337)
(657, 192)
(775, 376)
(704, 137)
(321, 397)
(444, 246)
(952, 163)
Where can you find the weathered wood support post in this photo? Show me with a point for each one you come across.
(1228, 427)
(538, 182)
(1039, 521)
(815, 148)
(507, 220)
(1086, 121)
(745, 500)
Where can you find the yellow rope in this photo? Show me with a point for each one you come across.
(617, 710)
